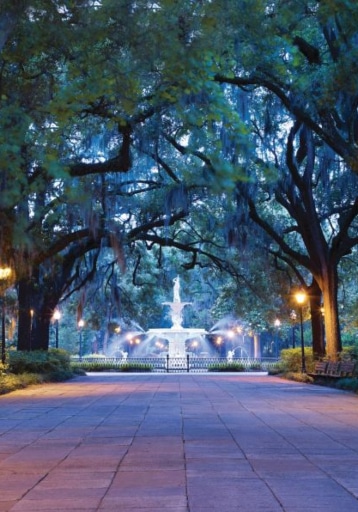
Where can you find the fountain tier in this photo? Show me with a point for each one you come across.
(177, 338)
(176, 335)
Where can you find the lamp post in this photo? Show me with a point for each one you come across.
(293, 317)
(56, 317)
(277, 325)
(80, 324)
(301, 299)
(5, 273)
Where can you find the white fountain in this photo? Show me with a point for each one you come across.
(176, 335)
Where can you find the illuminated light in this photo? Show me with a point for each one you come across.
(231, 334)
(5, 272)
(81, 323)
(218, 340)
(301, 297)
(56, 314)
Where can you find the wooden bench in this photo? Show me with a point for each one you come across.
(347, 368)
(333, 370)
(319, 369)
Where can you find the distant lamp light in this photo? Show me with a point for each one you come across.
(5, 273)
(80, 324)
(301, 297)
(56, 317)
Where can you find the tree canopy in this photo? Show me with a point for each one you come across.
(147, 127)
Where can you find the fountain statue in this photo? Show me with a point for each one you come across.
(176, 335)
(176, 307)
(176, 289)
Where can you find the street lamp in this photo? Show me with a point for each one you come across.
(293, 317)
(56, 317)
(5, 273)
(80, 324)
(277, 324)
(301, 299)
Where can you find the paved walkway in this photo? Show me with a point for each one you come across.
(179, 443)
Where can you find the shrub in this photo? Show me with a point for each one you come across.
(291, 359)
(105, 366)
(3, 368)
(12, 382)
(298, 377)
(275, 369)
(136, 367)
(227, 367)
(350, 384)
(255, 367)
(350, 353)
(39, 361)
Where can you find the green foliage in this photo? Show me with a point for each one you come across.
(256, 367)
(27, 368)
(276, 368)
(350, 384)
(350, 352)
(291, 360)
(55, 361)
(136, 367)
(105, 366)
(227, 367)
(3, 368)
(71, 73)
(299, 377)
(12, 382)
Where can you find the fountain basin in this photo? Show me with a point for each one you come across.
(177, 337)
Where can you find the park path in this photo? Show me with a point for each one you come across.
(179, 443)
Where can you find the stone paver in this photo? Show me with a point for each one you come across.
(179, 443)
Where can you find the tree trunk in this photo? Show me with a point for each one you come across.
(41, 328)
(329, 287)
(34, 328)
(315, 298)
(24, 291)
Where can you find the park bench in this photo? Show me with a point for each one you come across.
(333, 370)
